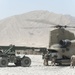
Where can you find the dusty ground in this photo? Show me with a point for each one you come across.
(37, 68)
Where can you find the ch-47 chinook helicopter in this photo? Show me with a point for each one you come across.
(61, 44)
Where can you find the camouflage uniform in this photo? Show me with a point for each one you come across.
(53, 60)
(46, 58)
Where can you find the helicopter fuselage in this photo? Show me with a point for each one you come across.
(63, 54)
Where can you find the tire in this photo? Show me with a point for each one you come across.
(26, 62)
(3, 62)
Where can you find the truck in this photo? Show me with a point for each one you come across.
(7, 55)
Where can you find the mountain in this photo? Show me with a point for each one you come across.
(32, 28)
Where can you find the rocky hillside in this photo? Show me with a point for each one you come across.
(32, 28)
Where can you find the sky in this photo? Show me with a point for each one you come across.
(15, 7)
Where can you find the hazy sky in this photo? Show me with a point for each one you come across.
(15, 7)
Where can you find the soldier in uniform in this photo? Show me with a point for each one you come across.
(46, 58)
(53, 60)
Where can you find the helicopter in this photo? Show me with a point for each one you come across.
(61, 44)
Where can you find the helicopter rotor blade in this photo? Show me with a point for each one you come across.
(41, 21)
(51, 25)
(71, 26)
(48, 22)
(35, 27)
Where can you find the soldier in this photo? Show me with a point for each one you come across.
(46, 58)
(53, 60)
(72, 64)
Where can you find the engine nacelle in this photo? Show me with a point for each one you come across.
(65, 43)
